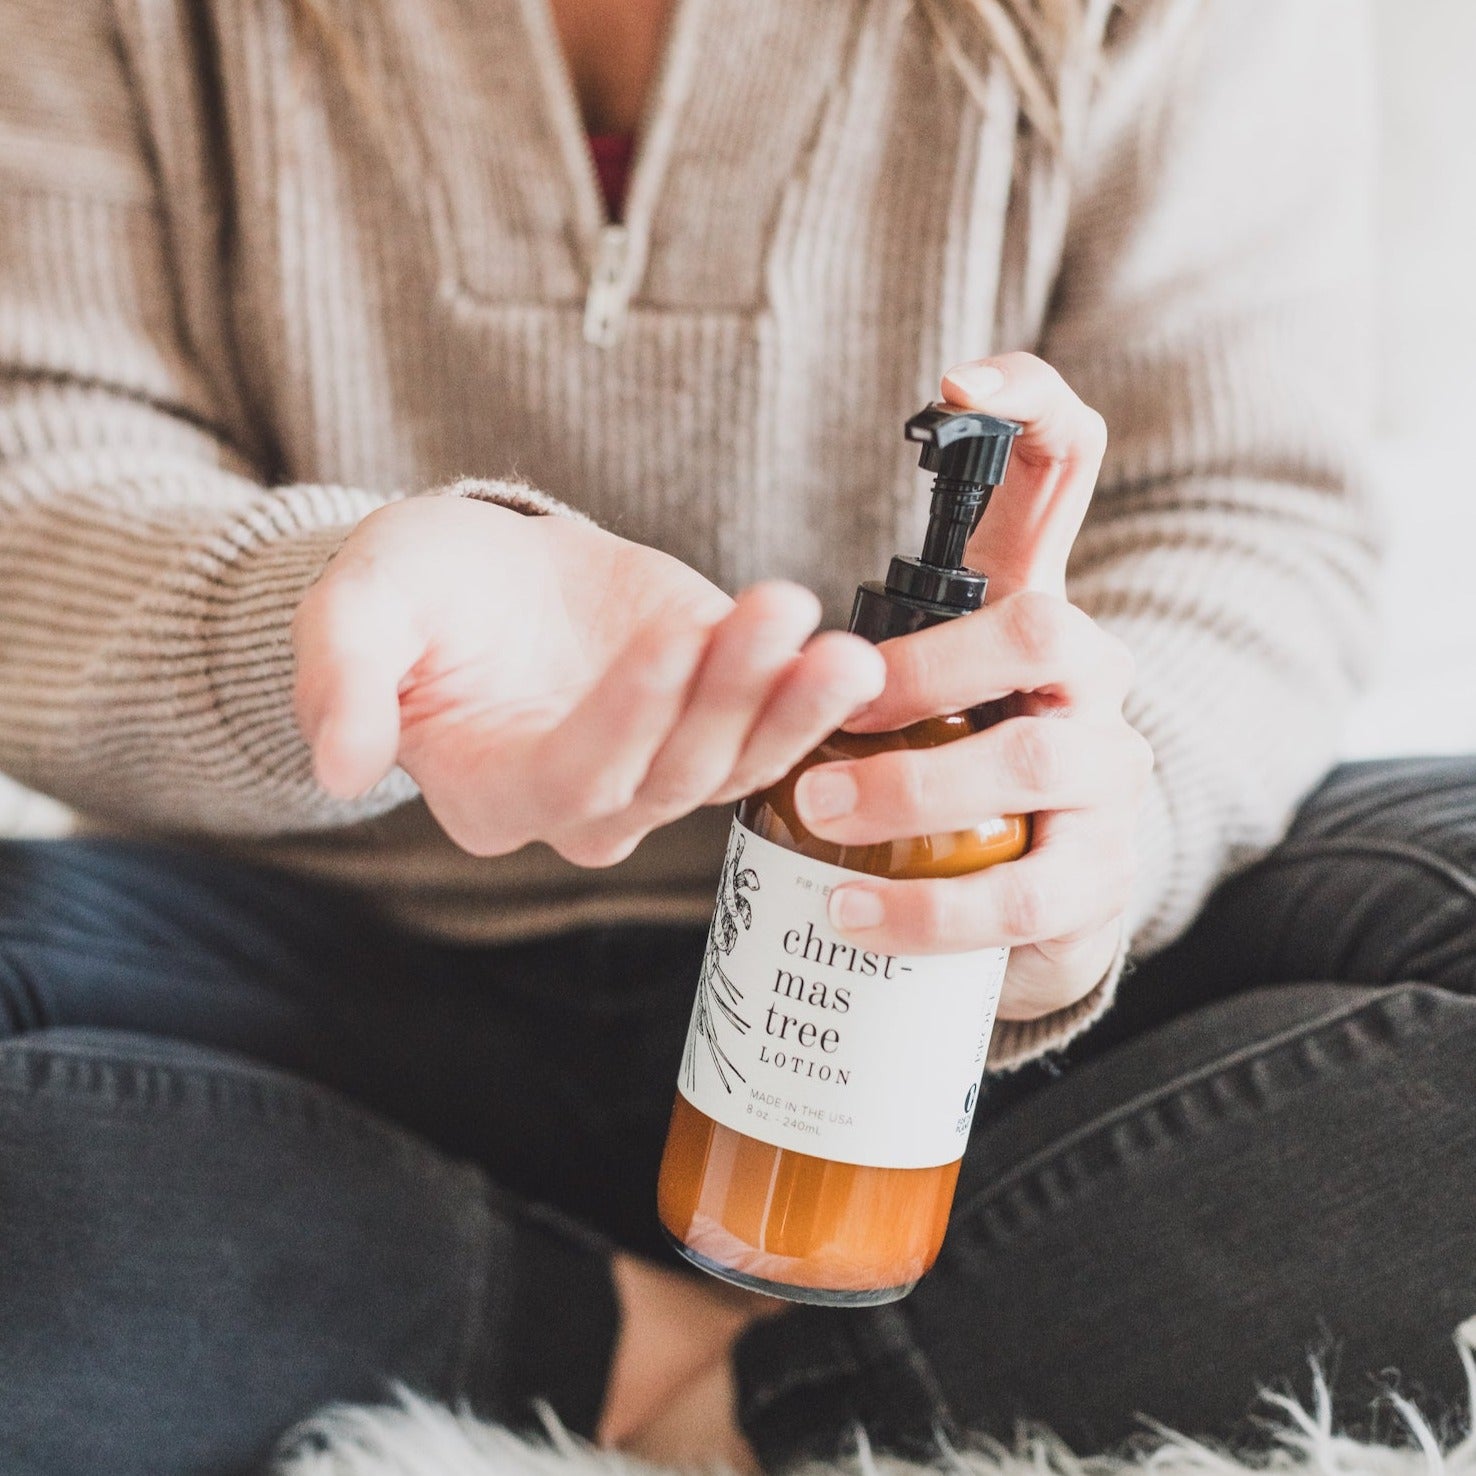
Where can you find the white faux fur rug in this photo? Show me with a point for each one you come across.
(415, 1438)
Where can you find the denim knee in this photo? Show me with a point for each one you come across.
(208, 1250)
(1374, 884)
(1166, 1230)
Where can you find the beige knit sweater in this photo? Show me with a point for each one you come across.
(248, 293)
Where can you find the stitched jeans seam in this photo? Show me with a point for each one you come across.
(223, 1088)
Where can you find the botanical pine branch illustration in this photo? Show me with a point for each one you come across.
(718, 997)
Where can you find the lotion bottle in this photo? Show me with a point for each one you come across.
(826, 1090)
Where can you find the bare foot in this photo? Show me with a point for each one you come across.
(672, 1328)
(698, 1426)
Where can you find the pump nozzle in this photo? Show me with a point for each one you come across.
(969, 452)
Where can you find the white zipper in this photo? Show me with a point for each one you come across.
(619, 249)
(610, 288)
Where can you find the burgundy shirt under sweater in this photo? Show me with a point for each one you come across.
(612, 155)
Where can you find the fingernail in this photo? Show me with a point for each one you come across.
(976, 381)
(826, 795)
(855, 907)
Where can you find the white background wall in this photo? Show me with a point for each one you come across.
(1425, 699)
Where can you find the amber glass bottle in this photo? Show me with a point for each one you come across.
(826, 1091)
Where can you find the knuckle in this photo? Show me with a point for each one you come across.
(1143, 756)
(1093, 430)
(1024, 360)
(1023, 906)
(1124, 878)
(676, 786)
(482, 847)
(902, 787)
(1132, 762)
(1030, 755)
(1034, 626)
(1118, 658)
(931, 915)
(592, 853)
(665, 799)
(573, 852)
(1114, 868)
(599, 793)
(750, 781)
(675, 781)
(479, 840)
(474, 845)
(911, 670)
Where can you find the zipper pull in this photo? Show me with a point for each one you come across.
(610, 290)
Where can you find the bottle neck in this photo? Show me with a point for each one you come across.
(902, 605)
(954, 514)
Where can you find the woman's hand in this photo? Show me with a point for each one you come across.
(542, 679)
(1068, 757)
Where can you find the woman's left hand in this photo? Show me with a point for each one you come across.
(1068, 757)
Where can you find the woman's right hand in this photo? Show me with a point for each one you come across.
(543, 679)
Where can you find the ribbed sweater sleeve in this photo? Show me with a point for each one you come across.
(148, 576)
(1211, 304)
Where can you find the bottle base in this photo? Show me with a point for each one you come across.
(814, 1296)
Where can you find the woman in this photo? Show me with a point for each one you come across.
(368, 499)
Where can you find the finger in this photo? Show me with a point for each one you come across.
(1026, 533)
(592, 765)
(749, 653)
(354, 643)
(1028, 643)
(1076, 876)
(836, 674)
(1019, 767)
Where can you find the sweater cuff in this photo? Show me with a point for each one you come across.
(265, 762)
(516, 495)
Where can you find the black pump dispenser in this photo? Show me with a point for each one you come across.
(970, 453)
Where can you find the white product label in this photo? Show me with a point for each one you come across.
(803, 1040)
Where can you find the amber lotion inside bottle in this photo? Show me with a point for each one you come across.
(826, 1090)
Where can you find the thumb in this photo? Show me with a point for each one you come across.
(355, 644)
(1025, 536)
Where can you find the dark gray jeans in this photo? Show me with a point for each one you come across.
(259, 1152)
